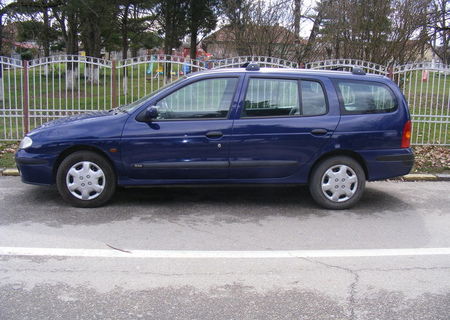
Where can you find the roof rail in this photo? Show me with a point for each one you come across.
(358, 71)
(251, 66)
(355, 70)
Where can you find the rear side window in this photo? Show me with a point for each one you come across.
(281, 97)
(366, 97)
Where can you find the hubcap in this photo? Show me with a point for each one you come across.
(85, 180)
(339, 183)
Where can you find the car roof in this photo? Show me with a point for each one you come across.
(285, 71)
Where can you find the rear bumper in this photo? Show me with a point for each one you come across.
(384, 164)
(35, 168)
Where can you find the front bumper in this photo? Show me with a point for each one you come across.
(35, 168)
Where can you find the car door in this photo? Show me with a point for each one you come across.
(282, 122)
(190, 137)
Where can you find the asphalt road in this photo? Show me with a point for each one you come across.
(231, 224)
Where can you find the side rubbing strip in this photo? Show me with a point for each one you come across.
(262, 163)
(401, 157)
(182, 165)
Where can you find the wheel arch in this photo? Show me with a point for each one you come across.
(340, 152)
(68, 151)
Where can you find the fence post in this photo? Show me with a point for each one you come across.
(25, 97)
(113, 84)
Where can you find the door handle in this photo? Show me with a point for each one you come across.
(319, 132)
(214, 134)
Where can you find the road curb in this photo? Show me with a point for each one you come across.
(421, 177)
(10, 172)
(443, 176)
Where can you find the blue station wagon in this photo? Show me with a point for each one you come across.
(332, 130)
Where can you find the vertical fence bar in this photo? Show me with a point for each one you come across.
(25, 96)
(113, 84)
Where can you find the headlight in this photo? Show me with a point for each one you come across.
(25, 143)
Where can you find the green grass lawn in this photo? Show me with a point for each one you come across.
(7, 150)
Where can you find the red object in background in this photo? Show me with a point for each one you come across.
(200, 52)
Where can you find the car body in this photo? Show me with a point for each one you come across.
(246, 126)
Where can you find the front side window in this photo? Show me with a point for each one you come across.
(366, 97)
(281, 97)
(209, 98)
(134, 105)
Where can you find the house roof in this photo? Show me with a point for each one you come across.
(276, 34)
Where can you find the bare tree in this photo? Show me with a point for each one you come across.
(237, 14)
(311, 43)
(440, 29)
(377, 31)
(261, 28)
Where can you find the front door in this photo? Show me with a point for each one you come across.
(190, 137)
(282, 123)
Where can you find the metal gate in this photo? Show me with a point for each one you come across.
(426, 87)
(64, 85)
(137, 77)
(11, 99)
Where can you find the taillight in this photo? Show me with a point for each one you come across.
(406, 135)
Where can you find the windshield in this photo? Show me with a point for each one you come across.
(132, 106)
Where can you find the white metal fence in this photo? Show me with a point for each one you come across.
(347, 64)
(36, 91)
(426, 87)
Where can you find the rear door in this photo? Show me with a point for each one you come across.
(282, 122)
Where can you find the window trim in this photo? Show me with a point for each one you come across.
(298, 80)
(379, 83)
(212, 77)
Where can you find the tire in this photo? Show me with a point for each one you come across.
(343, 193)
(85, 179)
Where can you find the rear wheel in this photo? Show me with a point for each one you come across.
(337, 183)
(85, 179)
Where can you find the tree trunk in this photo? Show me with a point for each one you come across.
(125, 46)
(1, 34)
(72, 49)
(297, 13)
(46, 40)
(193, 49)
(315, 29)
(46, 37)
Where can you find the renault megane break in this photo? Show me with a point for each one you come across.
(332, 130)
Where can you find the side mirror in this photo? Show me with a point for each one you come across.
(148, 114)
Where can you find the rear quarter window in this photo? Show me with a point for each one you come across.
(358, 97)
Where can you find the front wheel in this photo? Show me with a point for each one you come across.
(337, 183)
(85, 179)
